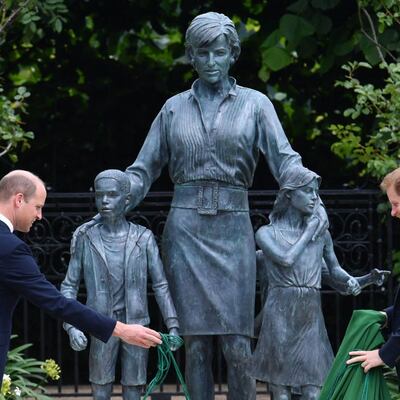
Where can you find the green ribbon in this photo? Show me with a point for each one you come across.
(165, 358)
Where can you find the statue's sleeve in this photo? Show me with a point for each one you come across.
(160, 284)
(70, 285)
(272, 140)
(152, 157)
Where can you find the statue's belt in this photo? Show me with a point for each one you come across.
(209, 197)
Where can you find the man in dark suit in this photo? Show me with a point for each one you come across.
(389, 353)
(22, 197)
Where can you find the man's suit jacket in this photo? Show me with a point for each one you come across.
(390, 351)
(20, 276)
(141, 259)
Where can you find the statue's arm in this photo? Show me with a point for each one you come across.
(160, 284)
(278, 152)
(70, 285)
(152, 157)
(334, 275)
(280, 254)
(273, 142)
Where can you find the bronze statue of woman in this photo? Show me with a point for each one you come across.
(210, 136)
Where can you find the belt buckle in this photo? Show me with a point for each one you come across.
(207, 199)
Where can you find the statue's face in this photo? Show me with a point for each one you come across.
(213, 61)
(110, 199)
(304, 198)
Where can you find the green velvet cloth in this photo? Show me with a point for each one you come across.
(349, 382)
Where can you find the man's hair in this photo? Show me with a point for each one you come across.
(391, 179)
(207, 27)
(19, 181)
(119, 176)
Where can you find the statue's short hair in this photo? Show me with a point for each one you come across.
(207, 27)
(119, 176)
(391, 179)
(19, 181)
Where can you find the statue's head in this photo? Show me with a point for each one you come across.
(206, 28)
(112, 191)
(299, 189)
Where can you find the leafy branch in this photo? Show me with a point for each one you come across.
(26, 14)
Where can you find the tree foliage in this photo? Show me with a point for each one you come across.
(97, 84)
(371, 137)
(28, 16)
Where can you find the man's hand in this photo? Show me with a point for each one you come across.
(368, 359)
(77, 339)
(137, 334)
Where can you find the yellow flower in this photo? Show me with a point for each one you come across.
(52, 369)
(6, 385)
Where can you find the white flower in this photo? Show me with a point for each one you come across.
(17, 391)
(6, 378)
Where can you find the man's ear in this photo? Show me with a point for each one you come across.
(18, 199)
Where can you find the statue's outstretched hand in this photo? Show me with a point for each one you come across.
(379, 276)
(77, 339)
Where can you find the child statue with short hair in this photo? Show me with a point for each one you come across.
(115, 258)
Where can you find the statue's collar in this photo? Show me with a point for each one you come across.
(232, 90)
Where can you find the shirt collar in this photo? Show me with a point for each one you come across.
(232, 90)
(7, 222)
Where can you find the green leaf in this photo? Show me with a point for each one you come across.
(365, 65)
(370, 51)
(26, 74)
(264, 73)
(13, 157)
(252, 25)
(276, 58)
(58, 25)
(295, 28)
(280, 96)
(272, 39)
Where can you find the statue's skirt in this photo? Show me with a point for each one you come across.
(211, 270)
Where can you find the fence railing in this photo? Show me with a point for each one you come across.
(362, 237)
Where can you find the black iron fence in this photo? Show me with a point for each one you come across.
(363, 239)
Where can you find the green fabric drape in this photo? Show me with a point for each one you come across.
(349, 382)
